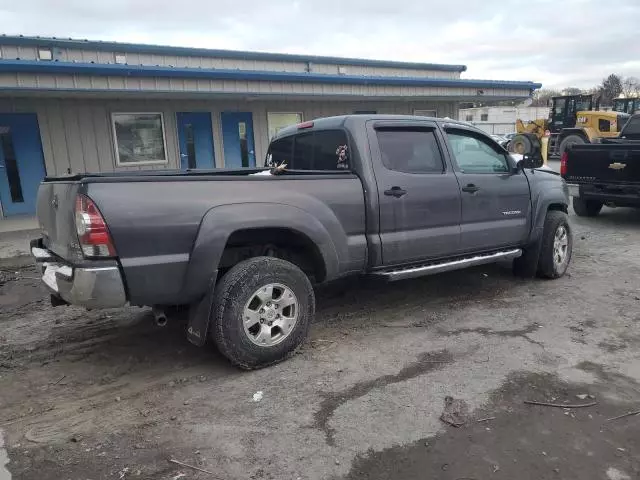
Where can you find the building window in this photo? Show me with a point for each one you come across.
(139, 138)
(45, 54)
(276, 121)
(484, 117)
(468, 118)
(425, 113)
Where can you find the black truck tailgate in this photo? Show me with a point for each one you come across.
(603, 163)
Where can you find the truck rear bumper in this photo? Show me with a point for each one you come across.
(89, 287)
(622, 196)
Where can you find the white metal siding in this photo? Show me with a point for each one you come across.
(77, 133)
(502, 119)
(158, 84)
(88, 55)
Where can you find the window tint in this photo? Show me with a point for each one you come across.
(303, 152)
(280, 152)
(326, 145)
(410, 150)
(475, 154)
(318, 150)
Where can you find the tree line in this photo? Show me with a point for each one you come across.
(611, 87)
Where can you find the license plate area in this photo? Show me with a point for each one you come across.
(51, 273)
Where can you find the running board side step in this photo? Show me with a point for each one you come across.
(446, 266)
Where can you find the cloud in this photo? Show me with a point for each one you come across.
(568, 43)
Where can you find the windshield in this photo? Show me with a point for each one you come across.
(631, 129)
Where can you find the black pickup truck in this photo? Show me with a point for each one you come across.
(606, 173)
(392, 196)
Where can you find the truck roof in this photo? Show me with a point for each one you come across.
(325, 123)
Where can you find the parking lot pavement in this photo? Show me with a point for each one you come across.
(106, 394)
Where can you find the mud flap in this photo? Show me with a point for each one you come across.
(200, 317)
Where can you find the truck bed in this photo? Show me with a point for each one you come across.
(154, 217)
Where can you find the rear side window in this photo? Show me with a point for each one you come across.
(280, 151)
(317, 150)
(410, 150)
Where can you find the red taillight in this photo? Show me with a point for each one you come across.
(93, 234)
(563, 163)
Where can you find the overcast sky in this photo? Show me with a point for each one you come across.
(559, 43)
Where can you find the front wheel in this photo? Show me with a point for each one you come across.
(263, 311)
(556, 246)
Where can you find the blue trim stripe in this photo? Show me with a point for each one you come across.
(192, 93)
(205, 52)
(69, 68)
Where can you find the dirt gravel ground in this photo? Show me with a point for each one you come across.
(107, 395)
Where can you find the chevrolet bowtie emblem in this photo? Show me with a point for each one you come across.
(617, 166)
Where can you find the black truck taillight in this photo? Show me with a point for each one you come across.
(93, 233)
(563, 163)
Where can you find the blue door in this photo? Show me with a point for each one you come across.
(237, 138)
(196, 140)
(21, 163)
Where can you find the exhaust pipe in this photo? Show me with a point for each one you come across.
(159, 316)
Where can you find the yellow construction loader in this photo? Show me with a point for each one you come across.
(572, 120)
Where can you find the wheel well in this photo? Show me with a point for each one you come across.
(284, 243)
(558, 206)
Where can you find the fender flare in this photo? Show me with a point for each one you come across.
(221, 222)
(545, 199)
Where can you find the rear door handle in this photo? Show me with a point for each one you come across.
(471, 188)
(395, 192)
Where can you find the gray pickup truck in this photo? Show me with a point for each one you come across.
(392, 196)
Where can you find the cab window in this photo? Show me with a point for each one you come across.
(475, 154)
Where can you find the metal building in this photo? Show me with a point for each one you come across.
(500, 120)
(69, 106)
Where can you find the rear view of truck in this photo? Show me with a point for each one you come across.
(76, 251)
(606, 173)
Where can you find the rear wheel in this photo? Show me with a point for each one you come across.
(571, 140)
(556, 246)
(586, 208)
(263, 311)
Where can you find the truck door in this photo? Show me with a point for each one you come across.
(418, 192)
(496, 203)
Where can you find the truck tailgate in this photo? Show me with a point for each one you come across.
(605, 163)
(55, 211)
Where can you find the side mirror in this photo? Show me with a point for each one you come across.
(530, 161)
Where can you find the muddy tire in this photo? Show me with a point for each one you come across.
(586, 208)
(263, 309)
(556, 246)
